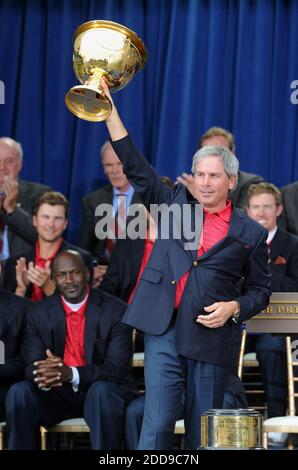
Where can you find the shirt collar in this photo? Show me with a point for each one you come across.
(76, 308)
(271, 235)
(127, 193)
(224, 214)
(38, 257)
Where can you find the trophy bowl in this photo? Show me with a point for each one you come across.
(102, 49)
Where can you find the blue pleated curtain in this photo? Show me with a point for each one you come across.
(211, 62)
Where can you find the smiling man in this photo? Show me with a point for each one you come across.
(187, 300)
(265, 206)
(78, 356)
(29, 274)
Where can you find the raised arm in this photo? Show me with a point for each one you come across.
(114, 124)
(140, 173)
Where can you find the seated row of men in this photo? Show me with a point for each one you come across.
(75, 355)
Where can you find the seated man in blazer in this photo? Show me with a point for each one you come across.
(78, 355)
(289, 220)
(92, 237)
(17, 201)
(265, 206)
(12, 334)
(29, 273)
(187, 299)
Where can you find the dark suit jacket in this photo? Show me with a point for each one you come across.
(88, 239)
(242, 253)
(284, 262)
(21, 232)
(239, 195)
(124, 267)
(107, 340)
(9, 279)
(289, 220)
(12, 333)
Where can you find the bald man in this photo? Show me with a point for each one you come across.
(77, 356)
(17, 201)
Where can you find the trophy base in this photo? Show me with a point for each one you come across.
(88, 103)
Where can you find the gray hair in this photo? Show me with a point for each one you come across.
(103, 148)
(229, 160)
(15, 144)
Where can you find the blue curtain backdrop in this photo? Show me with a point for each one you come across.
(218, 62)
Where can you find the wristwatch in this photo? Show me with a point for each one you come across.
(236, 313)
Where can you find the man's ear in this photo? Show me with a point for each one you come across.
(34, 220)
(20, 164)
(232, 182)
(280, 208)
(87, 274)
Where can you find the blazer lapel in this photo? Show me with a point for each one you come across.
(277, 244)
(57, 318)
(237, 224)
(91, 324)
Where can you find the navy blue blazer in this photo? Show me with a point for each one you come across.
(213, 277)
(12, 333)
(107, 340)
(284, 262)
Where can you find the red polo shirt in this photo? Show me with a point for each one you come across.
(74, 351)
(215, 228)
(41, 262)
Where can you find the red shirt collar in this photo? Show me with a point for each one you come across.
(38, 257)
(224, 214)
(82, 308)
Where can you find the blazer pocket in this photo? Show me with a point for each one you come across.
(151, 275)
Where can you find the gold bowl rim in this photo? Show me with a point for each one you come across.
(96, 24)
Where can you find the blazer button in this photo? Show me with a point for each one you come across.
(173, 282)
(195, 263)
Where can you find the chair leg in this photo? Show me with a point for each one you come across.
(43, 440)
(1, 440)
(290, 442)
(265, 440)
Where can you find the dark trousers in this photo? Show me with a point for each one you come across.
(167, 377)
(133, 422)
(271, 354)
(103, 407)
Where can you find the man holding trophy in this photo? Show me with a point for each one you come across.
(187, 300)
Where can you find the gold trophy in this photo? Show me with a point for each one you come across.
(102, 49)
(231, 429)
